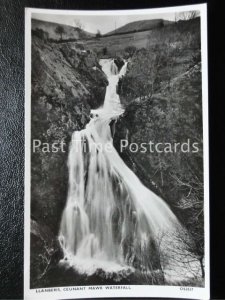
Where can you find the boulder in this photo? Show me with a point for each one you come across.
(119, 62)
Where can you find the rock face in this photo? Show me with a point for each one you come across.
(45, 253)
(119, 62)
(66, 83)
(171, 114)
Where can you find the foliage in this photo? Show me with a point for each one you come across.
(98, 34)
(149, 69)
(40, 33)
(130, 50)
(78, 24)
(162, 92)
(186, 15)
(105, 51)
(60, 31)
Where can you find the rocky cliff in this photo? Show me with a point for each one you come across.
(165, 107)
(66, 83)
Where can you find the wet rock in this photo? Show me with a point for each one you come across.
(45, 253)
(119, 62)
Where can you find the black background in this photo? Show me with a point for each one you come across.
(12, 132)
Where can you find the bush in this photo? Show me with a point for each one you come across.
(98, 34)
(40, 33)
(80, 46)
(60, 31)
(130, 50)
(105, 51)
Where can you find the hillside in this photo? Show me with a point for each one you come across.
(69, 32)
(117, 44)
(140, 26)
(66, 84)
(161, 93)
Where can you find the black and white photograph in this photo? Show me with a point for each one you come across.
(116, 162)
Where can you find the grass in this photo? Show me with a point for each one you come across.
(181, 33)
(116, 44)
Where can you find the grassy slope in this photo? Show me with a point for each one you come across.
(116, 44)
(50, 27)
(140, 26)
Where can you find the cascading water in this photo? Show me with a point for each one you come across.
(111, 220)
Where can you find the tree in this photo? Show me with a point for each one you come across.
(98, 34)
(60, 31)
(181, 250)
(193, 206)
(39, 33)
(78, 24)
(104, 51)
(186, 15)
(130, 50)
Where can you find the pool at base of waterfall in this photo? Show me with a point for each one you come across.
(91, 265)
(66, 275)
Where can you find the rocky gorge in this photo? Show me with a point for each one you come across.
(161, 94)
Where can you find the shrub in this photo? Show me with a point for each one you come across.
(105, 51)
(130, 50)
(98, 34)
(41, 34)
(60, 31)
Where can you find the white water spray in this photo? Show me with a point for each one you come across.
(111, 220)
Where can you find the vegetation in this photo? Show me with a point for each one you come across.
(183, 34)
(162, 94)
(78, 24)
(98, 34)
(187, 15)
(138, 26)
(129, 51)
(40, 33)
(60, 31)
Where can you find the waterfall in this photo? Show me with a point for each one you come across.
(111, 220)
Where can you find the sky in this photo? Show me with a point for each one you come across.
(104, 23)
